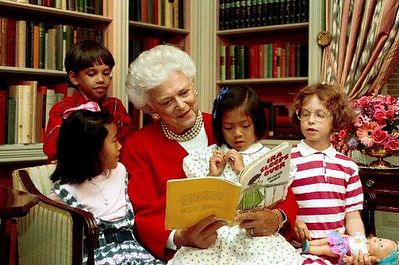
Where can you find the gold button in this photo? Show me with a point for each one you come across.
(324, 38)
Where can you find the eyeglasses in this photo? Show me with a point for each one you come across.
(319, 115)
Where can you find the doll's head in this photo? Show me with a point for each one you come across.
(384, 249)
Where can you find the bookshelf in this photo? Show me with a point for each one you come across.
(109, 21)
(277, 56)
(156, 22)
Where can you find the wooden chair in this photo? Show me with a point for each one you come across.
(52, 232)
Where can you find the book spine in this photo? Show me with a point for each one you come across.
(232, 55)
(11, 34)
(3, 112)
(11, 116)
(222, 61)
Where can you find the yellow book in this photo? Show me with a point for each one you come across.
(263, 183)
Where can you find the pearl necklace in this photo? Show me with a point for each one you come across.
(190, 134)
(101, 190)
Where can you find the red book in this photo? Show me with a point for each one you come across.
(251, 61)
(151, 42)
(144, 11)
(156, 12)
(275, 58)
(292, 61)
(260, 60)
(3, 112)
(11, 28)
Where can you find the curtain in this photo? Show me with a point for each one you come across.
(364, 50)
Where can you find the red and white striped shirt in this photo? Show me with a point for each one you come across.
(326, 187)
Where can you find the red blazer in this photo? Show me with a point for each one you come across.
(151, 159)
(113, 105)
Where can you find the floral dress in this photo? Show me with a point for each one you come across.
(233, 245)
(113, 253)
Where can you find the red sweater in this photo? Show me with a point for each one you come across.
(113, 105)
(151, 160)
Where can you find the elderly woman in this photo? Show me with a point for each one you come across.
(160, 82)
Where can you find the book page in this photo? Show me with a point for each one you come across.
(190, 200)
(265, 181)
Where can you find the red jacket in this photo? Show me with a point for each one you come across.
(113, 105)
(151, 160)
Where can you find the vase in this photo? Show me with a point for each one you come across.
(380, 154)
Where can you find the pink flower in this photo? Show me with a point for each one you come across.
(376, 125)
(392, 145)
(379, 116)
(379, 136)
(365, 133)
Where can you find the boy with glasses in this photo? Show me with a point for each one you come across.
(326, 185)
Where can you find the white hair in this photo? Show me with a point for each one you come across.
(152, 68)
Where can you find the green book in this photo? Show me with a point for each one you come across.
(11, 112)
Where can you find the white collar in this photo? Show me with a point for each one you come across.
(253, 148)
(306, 150)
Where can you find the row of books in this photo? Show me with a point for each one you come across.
(38, 45)
(85, 6)
(169, 13)
(24, 110)
(270, 60)
(279, 124)
(254, 13)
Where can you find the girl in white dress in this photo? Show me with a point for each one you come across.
(238, 124)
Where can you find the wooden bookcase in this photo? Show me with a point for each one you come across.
(113, 25)
(275, 90)
(162, 23)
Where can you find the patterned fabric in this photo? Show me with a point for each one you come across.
(338, 245)
(127, 252)
(364, 48)
(234, 246)
(326, 187)
(113, 105)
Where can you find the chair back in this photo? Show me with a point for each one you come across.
(45, 234)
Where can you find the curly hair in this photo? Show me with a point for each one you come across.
(152, 68)
(332, 97)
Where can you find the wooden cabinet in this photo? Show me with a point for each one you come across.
(277, 59)
(381, 191)
(109, 26)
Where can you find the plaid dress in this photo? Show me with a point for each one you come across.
(127, 252)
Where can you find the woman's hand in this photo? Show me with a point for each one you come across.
(234, 158)
(217, 163)
(262, 222)
(301, 231)
(202, 235)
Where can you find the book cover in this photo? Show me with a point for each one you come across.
(20, 43)
(222, 62)
(263, 183)
(11, 116)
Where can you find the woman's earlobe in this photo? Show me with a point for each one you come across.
(155, 116)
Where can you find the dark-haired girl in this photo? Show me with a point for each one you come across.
(89, 176)
(238, 124)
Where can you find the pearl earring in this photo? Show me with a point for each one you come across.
(155, 116)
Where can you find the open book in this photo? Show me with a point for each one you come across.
(263, 183)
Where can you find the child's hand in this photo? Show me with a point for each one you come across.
(234, 158)
(216, 163)
(301, 231)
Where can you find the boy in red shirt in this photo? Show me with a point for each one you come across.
(88, 65)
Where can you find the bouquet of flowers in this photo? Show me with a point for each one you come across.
(376, 125)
